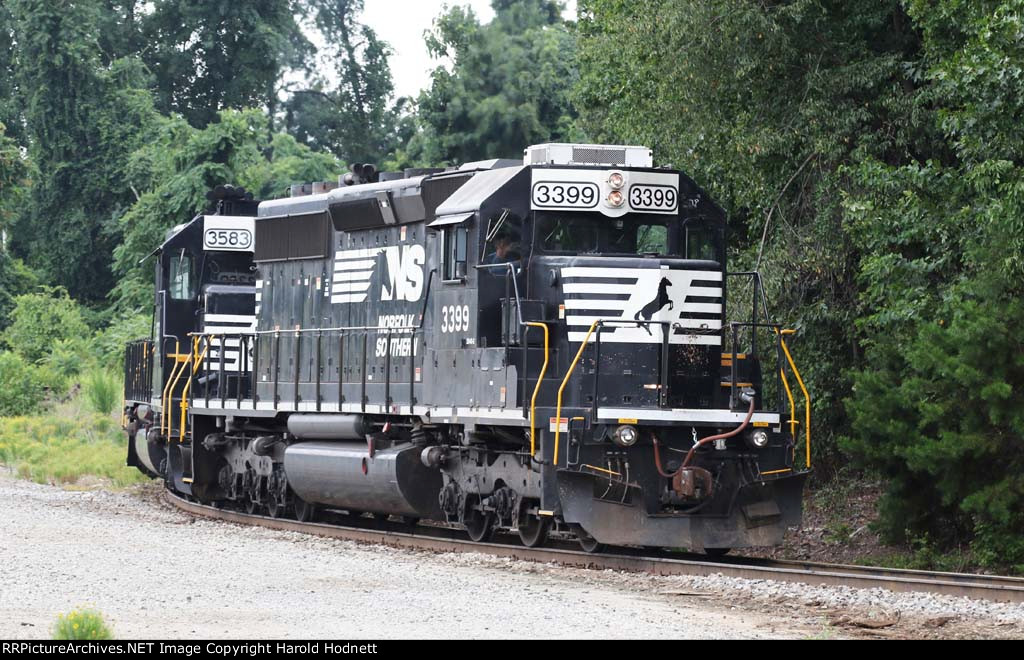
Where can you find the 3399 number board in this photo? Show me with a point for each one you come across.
(651, 197)
(565, 194)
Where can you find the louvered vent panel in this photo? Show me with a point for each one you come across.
(584, 155)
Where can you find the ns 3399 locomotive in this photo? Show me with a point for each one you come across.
(537, 346)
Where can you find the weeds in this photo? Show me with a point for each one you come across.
(102, 390)
(81, 624)
(61, 448)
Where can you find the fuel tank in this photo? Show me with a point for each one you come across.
(343, 474)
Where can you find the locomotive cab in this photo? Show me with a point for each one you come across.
(204, 282)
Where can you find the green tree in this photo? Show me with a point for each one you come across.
(508, 85)
(13, 171)
(181, 164)
(15, 280)
(21, 388)
(357, 119)
(209, 56)
(82, 120)
(938, 406)
(40, 320)
(9, 113)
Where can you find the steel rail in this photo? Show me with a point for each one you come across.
(444, 539)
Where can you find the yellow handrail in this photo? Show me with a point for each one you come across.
(536, 390)
(803, 388)
(572, 367)
(184, 366)
(196, 361)
(792, 404)
(163, 397)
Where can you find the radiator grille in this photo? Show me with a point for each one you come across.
(292, 237)
(594, 156)
(436, 190)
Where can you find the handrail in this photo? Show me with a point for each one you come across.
(188, 383)
(536, 389)
(792, 404)
(167, 386)
(184, 365)
(568, 374)
(803, 388)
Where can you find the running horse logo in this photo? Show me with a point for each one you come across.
(655, 306)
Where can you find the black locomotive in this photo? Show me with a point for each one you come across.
(537, 346)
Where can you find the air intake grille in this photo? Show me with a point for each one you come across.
(590, 155)
(292, 237)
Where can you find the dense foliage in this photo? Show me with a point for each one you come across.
(354, 118)
(508, 85)
(181, 164)
(40, 320)
(21, 386)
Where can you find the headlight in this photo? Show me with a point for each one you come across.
(759, 439)
(615, 199)
(616, 180)
(625, 436)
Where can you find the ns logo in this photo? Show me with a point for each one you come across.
(404, 278)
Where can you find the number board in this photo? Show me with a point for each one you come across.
(565, 194)
(651, 197)
(588, 189)
(228, 233)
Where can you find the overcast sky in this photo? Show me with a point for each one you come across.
(401, 23)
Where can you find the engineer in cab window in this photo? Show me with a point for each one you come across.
(505, 248)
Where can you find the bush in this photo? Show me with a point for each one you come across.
(81, 624)
(66, 359)
(941, 415)
(102, 390)
(15, 279)
(41, 320)
(22, 389)
(107, 347)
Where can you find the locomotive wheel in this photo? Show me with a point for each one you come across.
(274, 508)
(533, 530)
(479, 525)
(304, 511)
(250, 505)
(587, 542)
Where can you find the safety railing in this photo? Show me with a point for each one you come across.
(540, 382)
(343, 350)
(181, 362)
(789, 392)
(138, 370)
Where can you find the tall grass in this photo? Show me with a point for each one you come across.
(102, 390)
(61, 448)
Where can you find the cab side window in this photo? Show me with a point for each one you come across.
(454, 242)
(701, 241)
(182, 277)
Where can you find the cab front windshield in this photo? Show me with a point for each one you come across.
(593, 233)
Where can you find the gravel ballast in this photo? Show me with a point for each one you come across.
(155, 572)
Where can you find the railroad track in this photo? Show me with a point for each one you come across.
(443, 539)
